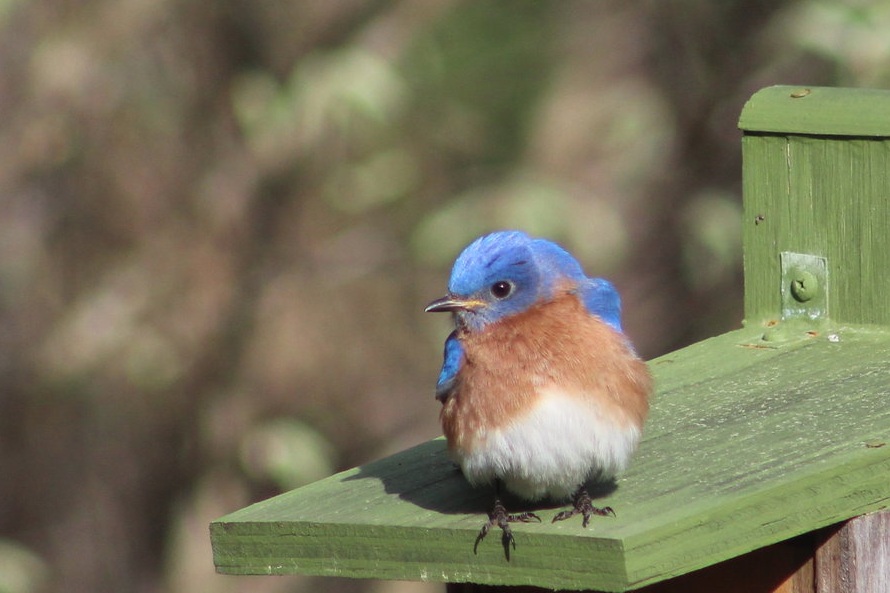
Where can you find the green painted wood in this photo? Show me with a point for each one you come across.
(750, 442)
(825, 196)
(822, 111)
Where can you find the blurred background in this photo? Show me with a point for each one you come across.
(220, 222)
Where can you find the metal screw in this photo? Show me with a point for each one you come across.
(804, 286)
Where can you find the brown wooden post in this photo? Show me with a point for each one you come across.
(855, 558)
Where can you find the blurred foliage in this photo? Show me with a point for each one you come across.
(219, 222)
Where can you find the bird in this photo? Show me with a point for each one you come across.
(541, 390)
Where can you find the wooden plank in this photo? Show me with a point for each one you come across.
(749, 443)
(823, 111)
(856, 558)
(824, 197)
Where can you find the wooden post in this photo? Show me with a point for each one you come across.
(855, 558)
(816, 181)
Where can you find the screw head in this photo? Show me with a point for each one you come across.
(804, 286)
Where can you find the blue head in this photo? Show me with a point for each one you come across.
(507, 272)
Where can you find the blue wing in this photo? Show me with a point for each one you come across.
(602, 299)
(453, 357)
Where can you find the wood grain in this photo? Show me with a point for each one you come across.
(856, 557)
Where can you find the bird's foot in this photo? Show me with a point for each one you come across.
(582, 505)
(501, 518)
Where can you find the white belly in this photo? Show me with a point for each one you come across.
(553, 450)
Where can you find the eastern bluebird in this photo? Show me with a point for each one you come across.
(540, 389)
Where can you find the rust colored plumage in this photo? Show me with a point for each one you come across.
(555, 343)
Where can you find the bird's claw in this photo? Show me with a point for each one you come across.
(527, 517)
(500, 518)
(582, 505)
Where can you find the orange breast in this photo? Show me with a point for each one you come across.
(556, 343)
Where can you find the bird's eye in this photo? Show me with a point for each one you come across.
(501, 289)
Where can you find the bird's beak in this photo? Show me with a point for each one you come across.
(453, 303)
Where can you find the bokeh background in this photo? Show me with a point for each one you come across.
(220, 222)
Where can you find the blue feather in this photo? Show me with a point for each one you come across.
(453, 357)
(536, 267)
(602, 299)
